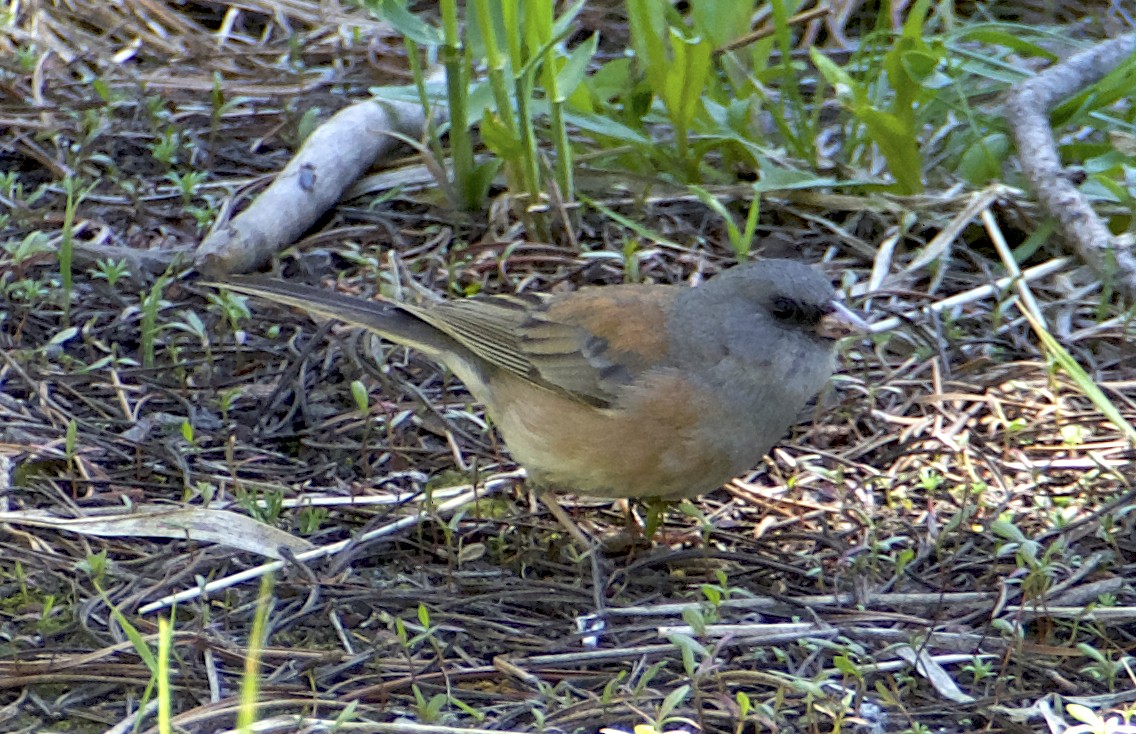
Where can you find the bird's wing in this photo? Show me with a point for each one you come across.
(587, 344)
(485, 326)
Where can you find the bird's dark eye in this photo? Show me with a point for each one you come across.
(797, 313)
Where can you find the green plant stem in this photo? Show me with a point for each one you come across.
(496, 63)
(457, 83)
(433, 139)
(564, 177)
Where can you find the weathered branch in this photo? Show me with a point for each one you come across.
(1027, 108)
(329, 162)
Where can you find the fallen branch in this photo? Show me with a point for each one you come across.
(1027, 108)
(333, 157)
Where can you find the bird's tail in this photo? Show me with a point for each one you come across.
(388, 319)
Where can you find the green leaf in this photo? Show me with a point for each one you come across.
(566, 23)
(360, 396)
(696, 620)
(408, 24)
(648, 30)
(1083, 714)
(482, 177)
(537, 28)
(721, 21)
(672, 701)
(996, 36)
(1115, 85)
(607, 127)
(689, 647)
(838, 78)
(913, 24)
(499, 138)
(409, 93)
(845, 665)
(777, 177)
(612, 80)
(981, 162)
(1089, 651)
(682, 91)
(1084, 382)
(65, 335)
(1106, 189)
(732, 231)
(898, 145)
(72, 439)
(141, 647)
(922, 67)
(1009, 531)
(480, 100)
(571, 74)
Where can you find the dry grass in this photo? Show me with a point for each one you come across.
(955, 500)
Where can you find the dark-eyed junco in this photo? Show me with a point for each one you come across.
(628, 390)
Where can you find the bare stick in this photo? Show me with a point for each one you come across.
(1027, 109)
(329, 162)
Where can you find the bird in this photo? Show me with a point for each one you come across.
(651, 391)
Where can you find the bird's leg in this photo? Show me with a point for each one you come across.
(585, 544)
(589, 548)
